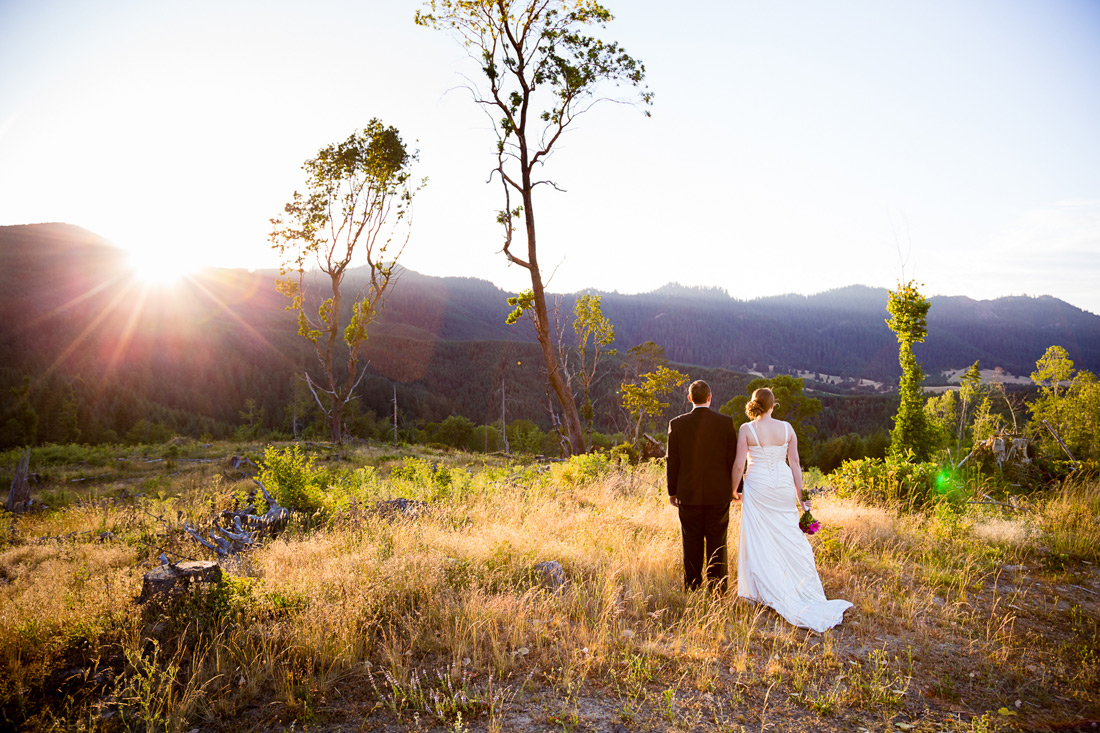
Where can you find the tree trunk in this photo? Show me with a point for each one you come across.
(336, 420)
(570, 414)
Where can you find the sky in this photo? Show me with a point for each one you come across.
(794, 146)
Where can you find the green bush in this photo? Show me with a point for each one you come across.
(428, 481)
(292, 479)
(899, 484)
(625, 454)
(584, 468)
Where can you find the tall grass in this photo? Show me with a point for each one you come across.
(442, 615)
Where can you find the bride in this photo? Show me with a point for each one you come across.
(775, 563)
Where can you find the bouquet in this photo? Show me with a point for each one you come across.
(807, 523)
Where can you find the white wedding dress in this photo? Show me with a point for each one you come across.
(775, 563)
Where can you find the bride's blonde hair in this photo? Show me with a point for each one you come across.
(762, 400)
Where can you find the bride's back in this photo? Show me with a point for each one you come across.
(770, 432)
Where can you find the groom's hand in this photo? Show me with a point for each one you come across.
(673, 500)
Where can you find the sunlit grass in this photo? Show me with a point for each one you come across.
(959, 611)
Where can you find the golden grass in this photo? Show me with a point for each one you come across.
(442, 618)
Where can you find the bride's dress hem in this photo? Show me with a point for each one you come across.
(775, 562)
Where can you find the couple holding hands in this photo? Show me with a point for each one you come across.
(707, 458)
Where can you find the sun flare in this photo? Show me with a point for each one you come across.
(160, 267)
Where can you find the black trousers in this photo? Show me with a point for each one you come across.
(704, 530)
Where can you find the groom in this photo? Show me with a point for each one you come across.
(701, 448)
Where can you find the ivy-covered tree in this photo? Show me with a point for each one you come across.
(594, 335)
(541, 71)
(353, 211)
(909, 321)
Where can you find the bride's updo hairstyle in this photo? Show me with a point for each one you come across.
(762, 400)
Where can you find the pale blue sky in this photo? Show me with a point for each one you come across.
(794, 146)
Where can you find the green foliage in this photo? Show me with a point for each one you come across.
(520, 304)
(1053, 368)
(353, 188)
(827, 455)
(908, 320)
(903, 485)
(644, 400)
(591, 326)
(941, 414)
(791, 404)
(430, 481)
(1072, 410)
(584, 469)
(292, 478)
(21, 425)
(625, 454)
(147, 432)
(456, 432)
(525, 436)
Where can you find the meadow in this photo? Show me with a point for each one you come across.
(969, 616)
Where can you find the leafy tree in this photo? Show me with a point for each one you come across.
(458, 432)
(542, 70)
(908, 320)
(590, 325)
(1053, 368)
(941, 413)
(644, 357)
(525, 436)
(792, 405)
(644, 400)
(1072, 410)
(254, 416)
(970, 391)
(357, 197)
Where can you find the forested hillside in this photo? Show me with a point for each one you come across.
(840, 332)
(90, 353)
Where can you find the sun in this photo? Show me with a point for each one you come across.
(161, 266)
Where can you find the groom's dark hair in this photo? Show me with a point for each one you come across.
(698, 392)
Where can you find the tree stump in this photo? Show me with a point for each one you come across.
(168, 581)
(19, 497)
(551, 575)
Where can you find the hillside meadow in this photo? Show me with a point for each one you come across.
(968, 616)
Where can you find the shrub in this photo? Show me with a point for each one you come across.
(625, 454)
(898, 484)
(584, 468)
(431, 481)
(292, 479)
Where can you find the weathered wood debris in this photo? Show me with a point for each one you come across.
(19, 497)
(244, 528)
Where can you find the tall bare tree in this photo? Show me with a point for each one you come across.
(541, 70)
(354, 211)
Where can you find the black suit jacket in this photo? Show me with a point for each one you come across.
(701, 447)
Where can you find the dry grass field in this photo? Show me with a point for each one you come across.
(971, 617)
